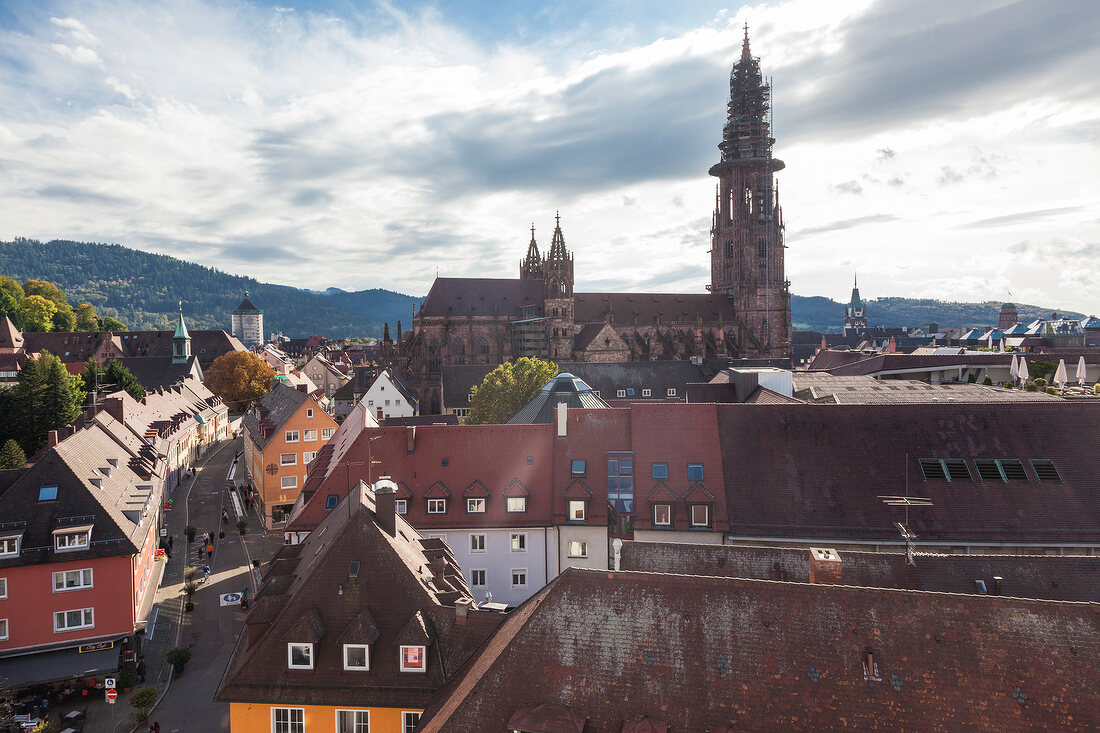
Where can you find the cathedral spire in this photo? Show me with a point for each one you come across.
(557, 244)
(531, 266)
(746, 55)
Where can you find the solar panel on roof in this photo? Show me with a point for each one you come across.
(1013, 469)
(1045, 469)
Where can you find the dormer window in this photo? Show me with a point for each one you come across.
(299, 656)
(9, 545)
(356, 657)
(413, 659)
(69, 539)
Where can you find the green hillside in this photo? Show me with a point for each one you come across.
(143, 290)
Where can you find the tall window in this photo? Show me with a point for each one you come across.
(288, 720)
(409, 721)
(477, 578)
(519, 542)
(620, 482)
(352, 721)
(577, 510)
(700, 515)
(662, 515)
(477, 543)
(3, 629)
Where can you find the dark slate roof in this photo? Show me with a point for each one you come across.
(246, 307)
(481, 296)
(158, 372)
(815, 471)
(265, 418)
(648, 308)
(105, 452)
(1050, 577)
(866, 390)
(705, 653)
(207, 345)
(309, 595)
(566, 388)
(10, 336)
(359, 383)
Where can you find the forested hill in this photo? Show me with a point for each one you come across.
(821, 314)
(143, 290)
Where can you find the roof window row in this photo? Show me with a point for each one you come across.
(988, 469)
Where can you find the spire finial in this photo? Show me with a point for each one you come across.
(181, 307)
(557, 218)
(855, 283)
(532, 231)
(745, 54)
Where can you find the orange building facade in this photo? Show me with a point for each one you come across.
(282, 434)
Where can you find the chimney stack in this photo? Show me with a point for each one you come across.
(51, 439)
(410, 439)
(997, 580)
(385, 496)
(462, 607)
(825, 566)
(561, 419)
(115, 408)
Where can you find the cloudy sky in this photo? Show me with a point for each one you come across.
(940, 148)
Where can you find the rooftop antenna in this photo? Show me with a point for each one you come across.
(903, 527)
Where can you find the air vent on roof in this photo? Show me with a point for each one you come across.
(933, 469)
(957, 470)
(1045, 469)
(988, 469)
(1013, 469)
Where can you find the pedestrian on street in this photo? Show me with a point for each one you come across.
(141, 668)
(171, 541)
(205, 573)
(225, 516)
(209, 550)
(155, 727)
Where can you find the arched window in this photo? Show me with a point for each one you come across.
(483, 349)
(458, 351)
(434, 361)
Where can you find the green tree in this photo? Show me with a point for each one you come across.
(508, 388)
(240, 378)
(62, 318)
(11, 298)
(27, 414)
(86, 318)
(106, 323)
(37, 313)
(12, 456)
(64, 393)
(111, 378)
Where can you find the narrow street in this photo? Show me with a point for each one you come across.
(211, 629)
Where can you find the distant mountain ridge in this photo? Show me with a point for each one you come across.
(143, 289)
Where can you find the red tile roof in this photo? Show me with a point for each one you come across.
(711, 653)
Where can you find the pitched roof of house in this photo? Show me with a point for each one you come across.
(651, 308)
(815, 471)
(155, 372)
(481, 296)
(705, 653)
(71, 346)
(360, 382)
(104, 476)
(1050, 577)
(312, 593)
(10, 336)
(563, 388)
(266, 417)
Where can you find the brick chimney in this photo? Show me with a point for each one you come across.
(825, 566)
(114, 407)
(385, 496)
(51, 439)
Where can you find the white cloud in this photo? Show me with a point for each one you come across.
(379, 144)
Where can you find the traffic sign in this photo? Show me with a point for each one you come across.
(109, 683)
(163, 531)
(111, 695)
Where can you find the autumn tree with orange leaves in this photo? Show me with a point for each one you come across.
(240, 378)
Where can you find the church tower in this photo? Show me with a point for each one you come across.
(855, 313)
(181, 341)
(746, 259)
(557, 275)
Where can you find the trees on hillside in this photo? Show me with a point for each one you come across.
(240, 378)
(508, 388)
